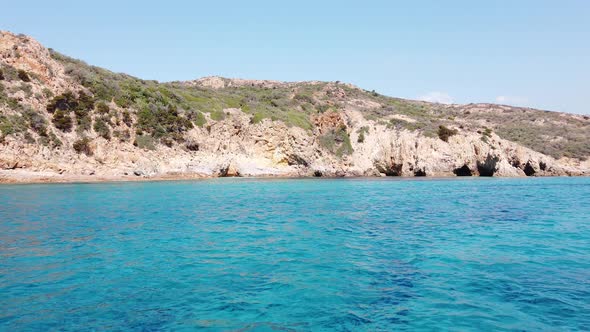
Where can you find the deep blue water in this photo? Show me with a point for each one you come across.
(300, 255)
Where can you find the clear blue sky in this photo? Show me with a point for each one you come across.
(531, 53)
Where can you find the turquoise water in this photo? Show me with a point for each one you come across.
(297, 255)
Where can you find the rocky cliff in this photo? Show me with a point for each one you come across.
(63, 120)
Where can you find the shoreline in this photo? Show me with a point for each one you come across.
(8, 177)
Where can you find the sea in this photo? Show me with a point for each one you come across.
(385, 254)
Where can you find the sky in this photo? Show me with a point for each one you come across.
(524, 53)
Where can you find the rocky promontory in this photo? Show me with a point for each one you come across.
(64, 120)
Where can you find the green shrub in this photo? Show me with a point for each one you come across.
(84, 123)
(361, 138)
(12, 103)
(82, 145)
(12, 124)
(305, 98)
(192, 145)
(29, 138)
(127, 119)
(102, 107)
(65, 102)
(145, 142)
(36, 122)
(55, 141)
(23, 76)
(397, 123)
(62, 120)
(123, 135)
(257, 118)
(296, 118)
(162, 121)
(217, 115)
(345, 148)
(337, 142)
(322, 108)
(102, 128)
(84, 105)
(167, 141)
(6, 126)
(44, 141)
(361, 131)
(50, 140)
(197, 117)
(444, 133)
(9, 73)
(47, 93)
(85, 102)
(26, 88)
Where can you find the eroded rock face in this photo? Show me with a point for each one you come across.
(463, 171)
(529, 169)
(489, 166)
(236, 147)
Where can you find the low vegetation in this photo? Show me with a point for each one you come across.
(23, 75)
(62, 120)
(11, 124)
(36, 122)
(444, 133)
(102, 108)
(82, 146)
(102, 128)
(145, 142)
(8, 73)
(337, 141)
(556, 142)
(50, 140)
(362, 131)
(552, 133)
(122, 135)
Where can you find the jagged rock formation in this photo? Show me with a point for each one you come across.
(63, 120)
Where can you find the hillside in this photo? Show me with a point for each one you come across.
(62, 120)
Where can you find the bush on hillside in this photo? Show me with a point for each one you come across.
(23, 76)
(36, 122)
(444, 133)
(62, 120)
(65, 102)
(82, 145)
(362, 131)
(47, 93)
(197, 118)
(145, 142)
(50, 140)
(9, 73)
(102, 108)
(101, 127)
(162, 121)
(123, 135)
(337, 142)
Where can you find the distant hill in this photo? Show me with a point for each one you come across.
(61, 120)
